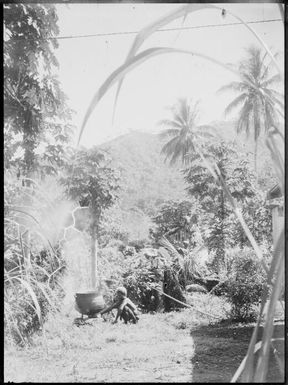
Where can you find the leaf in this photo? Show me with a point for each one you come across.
(153, 27)
(48, 297)
(30, 290)
(183, 11)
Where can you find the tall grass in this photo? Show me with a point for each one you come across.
(32, 264)
(251, 371)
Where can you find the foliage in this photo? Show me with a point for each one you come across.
(175, 217)
(37, 134)
(182, 131)
(32, 265)
(31, 295)
(184, 264)
(114, 232)
(258, 372)
(245, 285)
(141, 277)
(259, 219)
(36, 116)
(91, 181)
(217, 215)
(138, 244)
(126, 224)
(259, 104)
(112, 264)
(146, 181)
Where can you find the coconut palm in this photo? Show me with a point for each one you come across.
(185, 135)
(259, 104)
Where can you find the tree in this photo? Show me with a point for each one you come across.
(183, 130)
(175, 218)
(203, 187)
(258, 101)
(134, 58)
(35, 111)
(91, 182)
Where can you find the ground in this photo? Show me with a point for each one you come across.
(152, 350)
(221, 348)
(180, 346)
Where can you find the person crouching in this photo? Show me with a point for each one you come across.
(126, 310)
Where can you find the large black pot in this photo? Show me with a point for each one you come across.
(89, 303)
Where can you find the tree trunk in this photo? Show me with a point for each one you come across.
(255, 155)
(171, 287)
(95, 218)
(94, 266)
(222, 244)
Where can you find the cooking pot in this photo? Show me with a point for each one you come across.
(89, 303)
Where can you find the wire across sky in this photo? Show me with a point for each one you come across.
(159, 30)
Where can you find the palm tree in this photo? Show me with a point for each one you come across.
(258, 101)
(182, 129)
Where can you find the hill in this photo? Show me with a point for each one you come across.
(146, 179)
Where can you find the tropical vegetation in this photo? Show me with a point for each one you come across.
(260, 105)
(182, 130)
(210, 233)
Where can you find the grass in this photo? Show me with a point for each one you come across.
(162, 347)
(158, 349)
(101, 352)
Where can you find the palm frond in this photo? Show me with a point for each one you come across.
(275, 93)
(153, 27)
(169, 132)
(121, 71)
(243, 123)
(272, 98)
(170, 123)
(168, 246)
(248, 78)
(267, 66)
(274, 79)
(233, 86)
(235, 103)
(169, 147)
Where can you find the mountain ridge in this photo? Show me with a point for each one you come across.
(146, 178)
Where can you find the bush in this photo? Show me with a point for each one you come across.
(33, 259)
(138, 244)
(140, 282)
(29, 288)
(245, 285)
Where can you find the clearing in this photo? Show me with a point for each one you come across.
(164, 347)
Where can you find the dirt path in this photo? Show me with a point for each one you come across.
(219, 351)
(151, 351)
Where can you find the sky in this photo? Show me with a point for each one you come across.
(147, 91)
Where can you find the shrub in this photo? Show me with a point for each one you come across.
(140, 283)
(129, 251)
(116, 243)
(138, 244)
(245, 285)
(31, 292)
